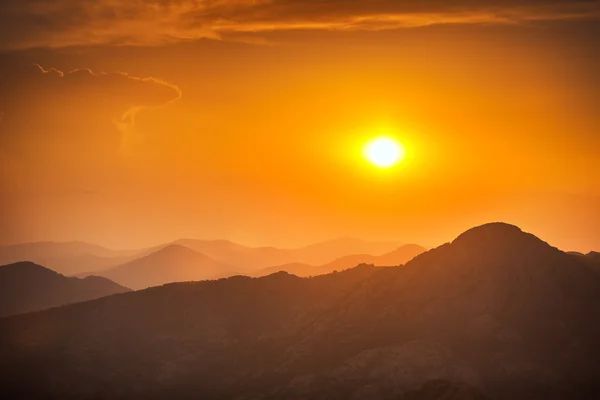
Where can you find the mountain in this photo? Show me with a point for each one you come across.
(174, 263)
(250, 259)
(397, 257)
(83, 259)
(495, 314)
(69, 258)
(297, 269)
(400, 256)
(26, 287)
(323, 252)
(240, 257)
(592, 259)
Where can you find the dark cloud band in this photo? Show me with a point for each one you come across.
(59, 23)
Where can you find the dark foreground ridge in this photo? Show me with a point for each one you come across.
(496, 314)
(26, 287)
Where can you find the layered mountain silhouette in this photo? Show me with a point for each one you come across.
(397, 257)
(174, 263)
(26, 287)
(320, 253)
(69, 258)
(249, 259)
(83, 259)
(495, 314)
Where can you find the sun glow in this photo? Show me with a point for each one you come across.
(384, 152)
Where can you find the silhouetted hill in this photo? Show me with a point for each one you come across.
(401, 255)
(397, 257)
(222, 250)
(241, 258)
(83, 259)
(69, 258)
(497, 313)
(592, 259)
(248, 259)
(298, 269)
(323, 252)
(26, 287)
(174, 263)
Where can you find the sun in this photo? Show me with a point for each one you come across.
(384, 152)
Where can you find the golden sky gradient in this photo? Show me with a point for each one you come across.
(132, 123)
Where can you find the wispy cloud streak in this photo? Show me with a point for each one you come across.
(60, 23)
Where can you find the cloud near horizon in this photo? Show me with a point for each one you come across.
(63, 23)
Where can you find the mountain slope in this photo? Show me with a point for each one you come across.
(592, 259)
(323, 252)
(250, 259)
(401, 255)
(397, 257)
(26, 287)
(69, 258)
(174, 263)
(523, 315)
(495, 313)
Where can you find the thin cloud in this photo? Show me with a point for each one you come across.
(60, 23)
(58, 99)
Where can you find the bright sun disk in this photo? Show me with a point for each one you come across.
(384, 152)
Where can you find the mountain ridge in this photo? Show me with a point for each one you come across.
(173, 263)
(27, 287)
(395, 257)
(498, 313)
(77, 258)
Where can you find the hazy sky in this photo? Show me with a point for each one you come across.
(128, 123)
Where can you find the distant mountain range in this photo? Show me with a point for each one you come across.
(179, 263)
(26, 287)
(81, 259)
(248, 259)
(174, 263)
(495, 314)
(68, 258)
(397, 257)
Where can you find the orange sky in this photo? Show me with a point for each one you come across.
(249, 125)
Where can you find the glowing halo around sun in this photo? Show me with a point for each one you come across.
(384, 152)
